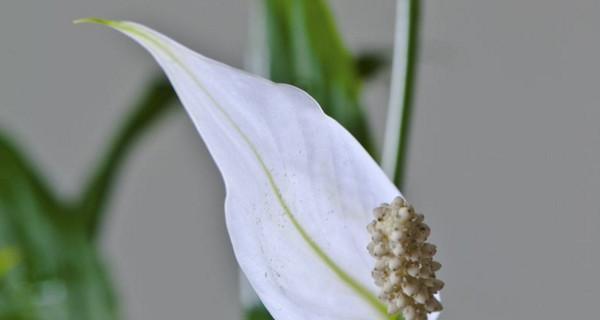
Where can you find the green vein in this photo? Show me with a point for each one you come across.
(157, 43)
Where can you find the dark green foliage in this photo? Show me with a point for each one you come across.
(59, 273)
(258, 312)
(369, 63)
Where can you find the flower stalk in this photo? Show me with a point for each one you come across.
(396, 138)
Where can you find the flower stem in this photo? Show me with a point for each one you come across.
(395, 144)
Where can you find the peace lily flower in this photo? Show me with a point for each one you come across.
(300, 192)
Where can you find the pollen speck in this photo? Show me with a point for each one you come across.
(404, 266)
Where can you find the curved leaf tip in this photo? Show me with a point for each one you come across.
(94, 20)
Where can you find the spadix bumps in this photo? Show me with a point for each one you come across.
(404, 267)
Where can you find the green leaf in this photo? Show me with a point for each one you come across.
(306, 50)
(258, 312)
(28, 210)
(9, 258)
(157, 99)
(59, 275)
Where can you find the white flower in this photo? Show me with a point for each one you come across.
(300, 188)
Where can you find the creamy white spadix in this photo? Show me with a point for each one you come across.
(300, 188)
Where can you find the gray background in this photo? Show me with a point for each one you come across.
(505, 159)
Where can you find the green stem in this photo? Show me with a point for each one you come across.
(395, 146)
(93, 200)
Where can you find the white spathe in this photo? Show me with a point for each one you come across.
(300, 188)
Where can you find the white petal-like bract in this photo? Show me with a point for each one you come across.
(300, 188)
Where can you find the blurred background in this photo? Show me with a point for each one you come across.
(504, 156)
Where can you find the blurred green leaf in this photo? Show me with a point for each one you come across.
(258, 312)
(60, 274)
(154, 103)
(306, 50)
(9, 258)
